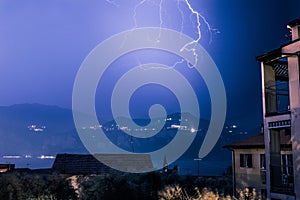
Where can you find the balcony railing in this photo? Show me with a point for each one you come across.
(277, 99)
(263, 176)
(281, 182)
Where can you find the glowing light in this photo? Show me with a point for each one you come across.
(35, 128)
(175, 126)
(46, 157)
(193, 130)
(12, 157)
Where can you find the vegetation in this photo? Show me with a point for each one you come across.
(14, 186)
(177, 193)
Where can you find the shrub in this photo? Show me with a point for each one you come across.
(14, 186)
(177, 193)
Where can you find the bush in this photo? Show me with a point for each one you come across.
(150, 186)
(14, 186)
(177, 193)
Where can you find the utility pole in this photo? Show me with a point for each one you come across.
(198, 165)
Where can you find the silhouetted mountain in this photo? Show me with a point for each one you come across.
(35, 129)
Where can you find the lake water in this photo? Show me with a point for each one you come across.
(186, 167)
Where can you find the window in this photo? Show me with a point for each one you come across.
(287, 164)
(246, 160)
(262, 161)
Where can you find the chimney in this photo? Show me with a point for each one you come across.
(294, 27)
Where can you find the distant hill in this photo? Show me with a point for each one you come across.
(35, 129)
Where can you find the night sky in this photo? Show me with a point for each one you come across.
(43, 43)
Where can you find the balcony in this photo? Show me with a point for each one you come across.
(277, 98)
(263, 176)
(282, 183)
(276, 83)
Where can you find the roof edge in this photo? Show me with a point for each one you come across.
(270, 56)
(295, 22)
(274, 54)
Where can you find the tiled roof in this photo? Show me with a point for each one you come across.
(257, 141)
(89, 164)
(6, 167)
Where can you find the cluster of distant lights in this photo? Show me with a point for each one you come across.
(28, 157)
(116, 127)
(232, 129)
(36, 128)
(125, 128)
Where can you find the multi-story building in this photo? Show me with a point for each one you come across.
(281, 113)
(249, 163)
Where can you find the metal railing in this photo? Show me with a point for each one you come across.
(277, 101)
(280, 182)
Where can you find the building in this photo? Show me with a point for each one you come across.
(281, 114)
(90, 164)
(6, 167)
(249, 163)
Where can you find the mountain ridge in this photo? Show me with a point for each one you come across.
(21, 124)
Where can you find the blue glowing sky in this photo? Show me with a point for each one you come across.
(43, 43)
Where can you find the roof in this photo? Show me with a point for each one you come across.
(257, 141)
(6, 167)
(276, 54)
(270, 56)
(295, 22)
(90, 164)
(251, 142)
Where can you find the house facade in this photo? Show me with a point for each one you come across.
(281, 114)
(248, 165)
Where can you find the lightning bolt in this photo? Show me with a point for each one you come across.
(198, 16)
(181, 14)
(190, 47)
(160, 13)
(112, 3)
(135, 12)
(139, 4)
